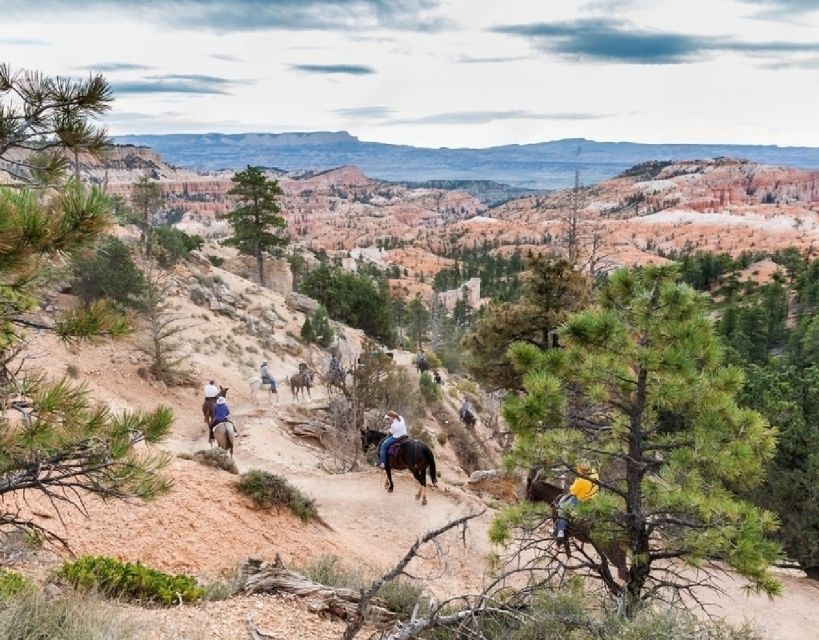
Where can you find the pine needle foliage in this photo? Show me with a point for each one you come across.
(46, 122)
(53, 439)
(640, 389)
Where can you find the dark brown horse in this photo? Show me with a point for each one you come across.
(209, 404)
(417, 457)
(540, 491)
(301, 381)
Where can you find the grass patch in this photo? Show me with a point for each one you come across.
(224, 587)
(130, 581)
(33, 616)
(399, 595)
(267, 491)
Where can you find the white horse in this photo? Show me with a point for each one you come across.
(224, 434)
(256, 384)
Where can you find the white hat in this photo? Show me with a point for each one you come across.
(221, 400)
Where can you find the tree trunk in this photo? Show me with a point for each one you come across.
(260, 265)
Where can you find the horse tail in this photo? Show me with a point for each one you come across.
(431, 462)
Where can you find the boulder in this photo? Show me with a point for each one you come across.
(301, 302)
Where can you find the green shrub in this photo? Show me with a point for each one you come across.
(173, 244)
(401, 596)
(216, 261)
(429, 390)
(108, 273)
(13, 584)
(116, 579)
(216, 458)
(267, 490)
(33, 616)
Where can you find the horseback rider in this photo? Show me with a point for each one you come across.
(421, 359)
(466, 410)
(398, 429)
(302, 367)
(335, 365)
(267, 377)
(211, 393)
(220, 414)
(584, 488)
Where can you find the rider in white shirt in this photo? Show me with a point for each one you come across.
(211, 390)
(398, 429)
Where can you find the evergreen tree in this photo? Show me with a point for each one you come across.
(552, 290)
(322, 327)
(668, 494)
(146, 200)
(257, 225)
(163, 327)
(417, 322)
(108, 273)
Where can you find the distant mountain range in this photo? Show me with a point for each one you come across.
(542, 165)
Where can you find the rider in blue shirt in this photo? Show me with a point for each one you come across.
(220, 414)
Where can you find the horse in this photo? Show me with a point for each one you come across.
(541, 491)
(423, 365)
(210, 403)
(370, 437)
(225, 435)
(336, 378)
(301, 381)
(469, 419)
(256, 384)
(416, 457)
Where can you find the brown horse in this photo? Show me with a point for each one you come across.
(300, 382)
(209, 404)
(540, 491)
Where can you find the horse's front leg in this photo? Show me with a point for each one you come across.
(390, 485)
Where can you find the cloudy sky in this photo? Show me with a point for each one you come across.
(437, 73)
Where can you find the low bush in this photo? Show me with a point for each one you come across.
(267, 491)
(116, 579)
(429, 390)
(216, 458)
(173, 244)
(400, 596)
(33, 616)
(13, 584)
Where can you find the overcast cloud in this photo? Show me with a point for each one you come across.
(440, 73)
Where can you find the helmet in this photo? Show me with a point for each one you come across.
(264, 364)
(221, 400)
(211, 382)
(583, 467)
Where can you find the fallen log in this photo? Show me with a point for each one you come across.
(321, 599)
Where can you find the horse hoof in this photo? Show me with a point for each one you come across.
(389, 489)
(424, 501)
(417, 497)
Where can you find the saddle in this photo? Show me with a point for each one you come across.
(270, 381)
(395, 446)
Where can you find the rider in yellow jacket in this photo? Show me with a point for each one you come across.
(583, 488)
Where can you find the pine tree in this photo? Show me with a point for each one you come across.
(640, 390)
(257, 225)
(147, 200)
(552, 290)
(53, 439)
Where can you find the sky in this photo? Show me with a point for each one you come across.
(440, 73)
